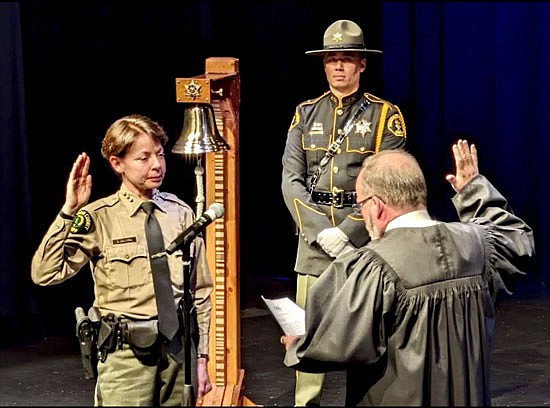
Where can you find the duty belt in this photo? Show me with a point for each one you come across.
(338, 198)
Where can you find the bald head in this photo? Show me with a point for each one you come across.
(396, 178)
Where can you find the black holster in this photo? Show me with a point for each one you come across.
(109, 337)
(86, 332)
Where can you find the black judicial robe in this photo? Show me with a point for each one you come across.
(410, 316)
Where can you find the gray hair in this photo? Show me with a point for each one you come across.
(395, 177)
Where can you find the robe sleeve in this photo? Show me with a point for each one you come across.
(338, 308)
(510, 240)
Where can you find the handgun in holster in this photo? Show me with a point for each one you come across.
(109, 336)
(86, 332)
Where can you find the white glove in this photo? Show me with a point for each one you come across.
(332, 240)
(347, 248)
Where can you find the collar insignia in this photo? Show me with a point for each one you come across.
(128, 196)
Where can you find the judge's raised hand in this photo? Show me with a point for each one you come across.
(465, 163)
(79, 186)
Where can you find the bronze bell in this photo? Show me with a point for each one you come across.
(200, 133)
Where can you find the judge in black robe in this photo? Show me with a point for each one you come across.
(410, 316)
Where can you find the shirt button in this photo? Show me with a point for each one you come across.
(313, 146)
(340, 131)
(335, 169)
(339, 112)
(362, 148)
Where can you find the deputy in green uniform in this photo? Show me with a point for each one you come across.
(327, 141)
(137, 365)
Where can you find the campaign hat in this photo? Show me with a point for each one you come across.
(343, 35)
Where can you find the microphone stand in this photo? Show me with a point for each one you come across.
(188, 398)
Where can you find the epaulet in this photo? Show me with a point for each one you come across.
(108, 201)
(173, 198)
(83, 220)
(314, 100)
(305, 104)
(374, 99)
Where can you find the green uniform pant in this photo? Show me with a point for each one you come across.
(123, 380)
(309, 387)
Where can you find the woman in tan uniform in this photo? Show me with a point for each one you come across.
(138, 364)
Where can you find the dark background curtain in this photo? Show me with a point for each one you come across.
(69, 69)
(17, 294)
(479, 71)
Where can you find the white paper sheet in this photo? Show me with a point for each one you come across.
(288, 314)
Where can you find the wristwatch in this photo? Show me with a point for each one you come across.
(65, 216)
(203, 355)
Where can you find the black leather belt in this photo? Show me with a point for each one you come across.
(338, 198)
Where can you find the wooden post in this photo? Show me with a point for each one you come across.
(220, 87)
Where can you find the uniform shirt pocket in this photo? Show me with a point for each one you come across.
(315, 142)
(359, 144)
(127, 265)
(357, 149)
(315, 145)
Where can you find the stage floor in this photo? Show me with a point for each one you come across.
(49, 372)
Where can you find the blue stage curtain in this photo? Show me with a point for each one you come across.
(16, 301)
(479, 71)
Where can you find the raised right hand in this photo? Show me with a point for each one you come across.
(465, 163)
(79, 186)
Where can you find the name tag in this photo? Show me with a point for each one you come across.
(124, 240)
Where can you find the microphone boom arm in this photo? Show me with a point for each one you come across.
(215, 211)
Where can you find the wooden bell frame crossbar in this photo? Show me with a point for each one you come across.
(220, 87)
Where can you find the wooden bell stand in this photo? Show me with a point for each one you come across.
(220, 87)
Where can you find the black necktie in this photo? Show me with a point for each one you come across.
(167, 314)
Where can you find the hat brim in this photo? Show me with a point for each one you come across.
(324, 51)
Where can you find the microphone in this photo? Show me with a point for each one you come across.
(215, 210)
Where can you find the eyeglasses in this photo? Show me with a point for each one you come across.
(359, 204)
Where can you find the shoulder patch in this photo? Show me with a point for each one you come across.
(295, 120)
(396, 125)
(82, 222)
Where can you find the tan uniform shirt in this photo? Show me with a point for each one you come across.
(109, 234)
